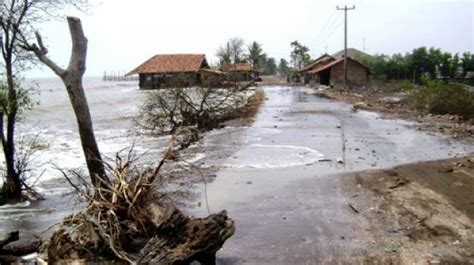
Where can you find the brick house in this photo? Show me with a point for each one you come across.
(333, 73)
(174, 70)
(315, 64)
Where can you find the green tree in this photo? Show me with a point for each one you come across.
(454, 66)
(434, 61)
(299, 55)
(283, 68)
(255, 55)
(419, 58)
(270, 66)
(467, 63)
(446, 64)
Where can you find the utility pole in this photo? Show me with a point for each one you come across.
(345, 8)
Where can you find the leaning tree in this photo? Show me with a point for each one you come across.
(17, 21)
(72, 79)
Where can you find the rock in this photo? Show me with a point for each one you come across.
(340, 160)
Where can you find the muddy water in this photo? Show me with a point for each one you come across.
(278, 180)
(113, 106)
(275, 178)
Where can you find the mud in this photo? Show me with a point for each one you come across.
(420, 212)
(292, 207)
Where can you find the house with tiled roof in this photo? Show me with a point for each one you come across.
(173, 70)
(316, 63)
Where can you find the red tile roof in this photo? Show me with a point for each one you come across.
(237, 67)
(171, 63)
(331, 64)
(316, 61)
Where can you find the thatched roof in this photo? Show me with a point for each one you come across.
(172, 63)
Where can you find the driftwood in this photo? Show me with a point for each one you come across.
(9, 259)
(7, 239)
(22, 249)
(11, 254)
(181, 240)
(176, 239)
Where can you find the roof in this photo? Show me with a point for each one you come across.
(354, 54)
(237, 67)
(316, 61)
(333, 63)
(212, 71)
(171, 63)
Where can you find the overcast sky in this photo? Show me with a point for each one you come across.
(124, 33)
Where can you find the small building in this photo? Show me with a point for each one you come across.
(333, 73)
(173, 70)
(315, 64)
(240, 72)
(211, 78)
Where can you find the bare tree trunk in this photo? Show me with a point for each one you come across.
(11, 189)
(72, 79)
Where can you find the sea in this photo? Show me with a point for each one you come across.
(51, 126)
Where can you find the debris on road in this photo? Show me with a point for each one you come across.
(353, 208)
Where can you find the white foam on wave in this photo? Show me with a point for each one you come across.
(273, 156)
(16, 205)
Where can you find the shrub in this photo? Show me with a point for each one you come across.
(437, 97)
(166, 110)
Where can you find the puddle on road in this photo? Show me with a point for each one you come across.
(273, 156)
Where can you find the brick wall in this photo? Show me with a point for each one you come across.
(356, 74)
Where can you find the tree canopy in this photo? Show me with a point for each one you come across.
(432, 62)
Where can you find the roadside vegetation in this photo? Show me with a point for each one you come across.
(436, 82)
(439, 97)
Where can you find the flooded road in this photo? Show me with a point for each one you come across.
(279, 177)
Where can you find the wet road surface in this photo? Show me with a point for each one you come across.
(280, 179)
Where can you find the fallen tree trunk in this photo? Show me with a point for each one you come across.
(177, 239)
(22, 249)
(181, 239)
(11, 254)
(9, 259)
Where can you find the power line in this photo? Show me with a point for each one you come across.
(345, 8)
(329, 21)
(327, 33)
(327, 26)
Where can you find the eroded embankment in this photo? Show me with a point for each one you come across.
(419, 213)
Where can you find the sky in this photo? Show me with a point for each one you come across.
(124, 33)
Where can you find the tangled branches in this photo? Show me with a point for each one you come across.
(122, 219)
(205, 108)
